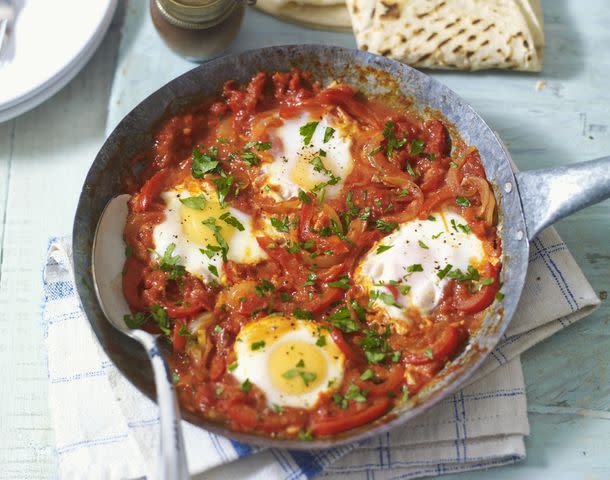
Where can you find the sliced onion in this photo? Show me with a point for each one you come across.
(488, 203)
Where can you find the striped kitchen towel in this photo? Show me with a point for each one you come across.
(104, 428)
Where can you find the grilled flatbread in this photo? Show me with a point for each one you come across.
(325, 14)
(452, 34)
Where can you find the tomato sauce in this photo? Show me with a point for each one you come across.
(407, 164)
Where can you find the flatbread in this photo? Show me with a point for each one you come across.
(322, 14)
(452, 34)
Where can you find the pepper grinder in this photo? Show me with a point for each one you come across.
(197, 29)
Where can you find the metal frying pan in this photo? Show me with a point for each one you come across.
(528, 202)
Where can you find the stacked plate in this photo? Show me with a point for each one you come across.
(47, 45)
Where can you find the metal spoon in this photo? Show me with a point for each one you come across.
(107, 266)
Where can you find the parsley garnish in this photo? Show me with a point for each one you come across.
(499, 296)
(223, 185)
(383, 248)
(443, 273)
(306, 435)
(354, 393)
(392, 142)
(264, 287)
(367, 375)
(281, 225)
(462, 202)
(417, 146)
(204, 162)
(304, 197)
(246, 386)
(321, 341)
(224, 246)
(342, 319)
(169, 263)
(196, 203)
(302, 314)
(232, 366)
(423, 245)
(136, 320)
(452, 164)
(257, 345)
(386, 227)
(375, 345)
(429, 353)
(328, 134)
(307, 377)
(416, 267)
(342, 282)
(213, 270)
(231, 220)
(307, 131)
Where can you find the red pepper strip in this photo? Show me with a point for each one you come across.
(151, 189)
(444, 346)
(333, 425)
(468, 302)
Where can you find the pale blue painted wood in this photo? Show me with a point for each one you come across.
(45, 154)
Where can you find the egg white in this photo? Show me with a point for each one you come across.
(446, 242)
(287, 341)
(243, 247)
(291, 171)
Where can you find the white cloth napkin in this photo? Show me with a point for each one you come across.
(104, 428)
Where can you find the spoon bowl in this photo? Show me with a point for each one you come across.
(107, 267)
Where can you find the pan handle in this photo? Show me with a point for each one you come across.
(550, 194)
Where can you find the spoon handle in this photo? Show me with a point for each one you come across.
(172, 453)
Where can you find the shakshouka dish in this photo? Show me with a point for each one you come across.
(314, 255)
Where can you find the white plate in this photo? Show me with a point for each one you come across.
(52, 41)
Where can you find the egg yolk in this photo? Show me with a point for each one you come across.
(304, 175)
(296, 367)
(192, 220)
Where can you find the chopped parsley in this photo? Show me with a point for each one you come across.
(307, 131)
(342, 282)
(204, 162)
(306, 435)
(246, 385)
(429, 353)
(383, 248)
(328, 133)
(417, 146)
(196, 203)
(443, 273)
(231, 220)
(169, 263)
(367, 375)
(281, 225)
(416, 267)
(499, 296)
(258, 345)
(354, 393)
(375, 345)
(342, 319)
(223, 185)
(321, 341)
(386, 227)
(222, 243)
(423, 245)
(307, 377)
(264, 287)
(392, 142)
(213, 270)
(232, 366)
(135, 320)
(304, 197)
(462, 202)
(217, 329)
(452, 164)
(302, 314)
(311, 279)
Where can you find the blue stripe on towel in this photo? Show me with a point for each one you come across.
(307, 462)
(241, 449)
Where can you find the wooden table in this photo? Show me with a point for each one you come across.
(45, 154)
